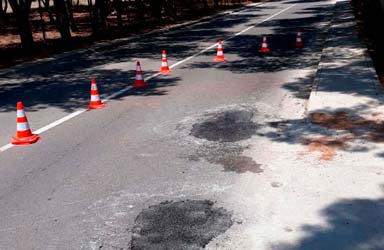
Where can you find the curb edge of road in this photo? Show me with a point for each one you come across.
(321, 65)
(126, 39)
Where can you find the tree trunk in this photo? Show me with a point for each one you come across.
(42, 21)
(140, 7)
(71, 19)
(382, 6)
(205, 4)
(62, 20)
(118, 7)
(156, 7)
(99, 16)
(3, 10)
(170, 9)
(21, 10)
(215, 4)
(46, 5)
(25, 31)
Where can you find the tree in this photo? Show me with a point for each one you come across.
(215, 3)
(118, 7)
(3, 10)
(62, 19)
(156, 8)
(21, 10)
(99, 16)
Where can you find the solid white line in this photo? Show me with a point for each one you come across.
(60, 121)
(5, 147)
(278, 13)
(108, 98)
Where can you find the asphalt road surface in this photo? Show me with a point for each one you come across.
(159, 167)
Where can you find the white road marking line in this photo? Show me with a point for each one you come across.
(108, 98)
(5, 147)
(60, 121)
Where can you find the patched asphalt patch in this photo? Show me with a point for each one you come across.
(187, 225)
(239, 164)
(230, 157)
(227, 126)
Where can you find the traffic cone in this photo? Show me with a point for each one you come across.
(24, 134)
(95, 102)
(220, 54)
(299, 41)
(139, 81)
(264, 45)
(164, 64)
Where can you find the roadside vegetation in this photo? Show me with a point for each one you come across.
(31, 29)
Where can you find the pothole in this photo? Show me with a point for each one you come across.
(228, 126)
(187, 225)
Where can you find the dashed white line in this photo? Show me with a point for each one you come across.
(108, 98)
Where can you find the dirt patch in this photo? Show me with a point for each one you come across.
(188, 225)
(377, 134)
(339, 121)
(327, 146)
(372, 130)
(228, 126)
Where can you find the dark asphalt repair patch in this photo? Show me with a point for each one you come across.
(187, 225)
(239, 164)
(228, 126)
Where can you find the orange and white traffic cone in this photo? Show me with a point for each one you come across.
(24, 134)
(164, 64)
(139, 81)
(220, 53)
(264, 45)
(95, 102)
(299, 41)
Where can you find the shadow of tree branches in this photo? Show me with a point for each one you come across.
(352, 224)
(63, 82)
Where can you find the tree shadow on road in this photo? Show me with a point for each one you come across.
(70, 93)
(63, 81)
(329, 131)
(352, 224)
(281, 39)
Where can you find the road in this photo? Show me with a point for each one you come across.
(96, 178)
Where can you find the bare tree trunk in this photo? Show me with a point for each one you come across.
(99, 16)
(382, 6)
(47, 8)
(205, 4)
(42, 21)
(118, 7)
(215, 4)
(140, 7)
(170, 8)
(62, 20)
(3, 10)
(156, 8)
(21, 9)
(70, 15)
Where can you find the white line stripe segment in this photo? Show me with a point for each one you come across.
(108, 98)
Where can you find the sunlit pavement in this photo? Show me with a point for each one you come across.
(218, 155)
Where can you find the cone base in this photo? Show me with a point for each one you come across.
(264, 50)
(140, 84)
(165, 71)
(25, 140)
(299, 45)
(97, 106)
(220, 59)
